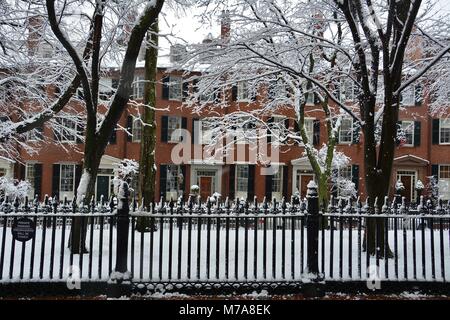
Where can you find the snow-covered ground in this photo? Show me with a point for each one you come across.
(148, 251)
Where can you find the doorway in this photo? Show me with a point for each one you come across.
(102, 187)
(205, 187)
(302, 183)
(408, 178)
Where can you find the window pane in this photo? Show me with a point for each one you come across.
(242, 178)
(408, 129)
(67, 177)
(137, 130)
(445, 131)
(346, 131)
(173, 123)
(175, 88)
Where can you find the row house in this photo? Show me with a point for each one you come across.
(423, 150)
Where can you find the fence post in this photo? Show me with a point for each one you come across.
(312, 225)
(313, 229)
(120, 278)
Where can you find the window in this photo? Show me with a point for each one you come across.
(346, 131)
(241, 178)
(2, 172)
(408, 97)
(310, 99)
(29, 172)
(206, 132)
(408, 130)
(276, 181)
(309, 128)
(278, 128)
(247, 133)
(67, 178)
(243, 91)
(173, 124)
(138, 88)
(105, 89)
(173, 176)
(175, 88)
(444, 182)
(68, 130)
(444, 131)
(348, 91)
(34, 135)
(137, 130)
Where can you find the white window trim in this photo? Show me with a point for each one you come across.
(171, 87)
(169, 135)
(69, 194)
(311, 138)
(64, 137)
(411, 123)
(247, 98)
(280, 119)
(440, 126)
(351, 132)
(439, 178)
(134, 137)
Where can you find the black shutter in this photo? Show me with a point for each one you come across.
(253, 93)
(296, 126)
(78, 172)
(231, 183)
(355, 176)
(399, 130)
(195, 131)
(269, 135)
(165, 88)
(185, 90)
(334, 186)
(268, 193)
(162, 180)
(251, 182)
(356, 132)
(183, 126)
(416, 133)
(21, 170)
(316, 98)
(316, 132)
(286, 123)
(55, 180)
(183, 184)
(418, 94)
(285, 181)
(38, 180)
(129, 128)
(113, 136)
(435, 171)
(435, 135)
(164, 128)
(234, 91)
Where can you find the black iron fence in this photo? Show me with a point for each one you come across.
(225, 242)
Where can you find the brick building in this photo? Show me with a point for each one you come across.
(56, 169)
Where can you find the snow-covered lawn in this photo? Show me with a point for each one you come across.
(151, 248)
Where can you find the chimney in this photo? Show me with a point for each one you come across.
(35, 25)
(225, 26)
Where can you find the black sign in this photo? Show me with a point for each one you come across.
(23, 229)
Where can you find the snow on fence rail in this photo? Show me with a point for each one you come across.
(225, 241)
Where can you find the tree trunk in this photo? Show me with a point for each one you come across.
(92, 157)
(147, 169)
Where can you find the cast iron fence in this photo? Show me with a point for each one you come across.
(225, 242)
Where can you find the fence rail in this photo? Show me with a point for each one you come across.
(225, 242)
